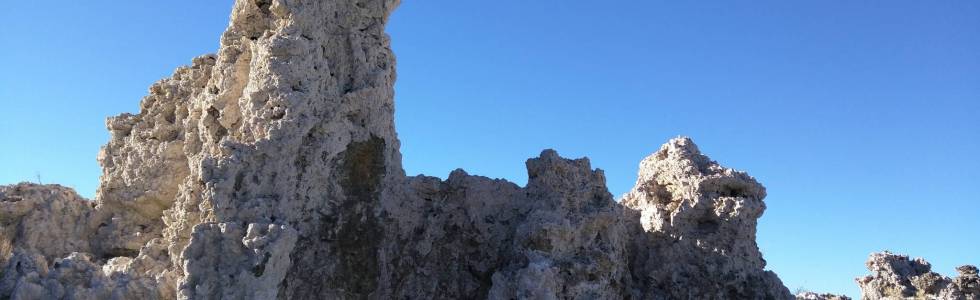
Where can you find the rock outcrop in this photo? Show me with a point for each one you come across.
(272, 170)
(896, 276)
(816, 296)
(697, 229)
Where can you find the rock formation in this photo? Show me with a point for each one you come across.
(697, 228)
(816, 296)
(272, 170)
(896, 276)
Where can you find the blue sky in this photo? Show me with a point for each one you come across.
(860, 117)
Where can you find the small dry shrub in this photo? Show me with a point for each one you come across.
(6, 248)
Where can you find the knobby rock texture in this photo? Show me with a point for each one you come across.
(271, 170)
(895, 276)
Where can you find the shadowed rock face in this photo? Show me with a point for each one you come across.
(271, 170)
(895, 276)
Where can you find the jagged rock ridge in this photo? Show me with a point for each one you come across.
(817, 296)
(895, 276)
(271, 170)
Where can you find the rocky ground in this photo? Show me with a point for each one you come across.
(272, 170)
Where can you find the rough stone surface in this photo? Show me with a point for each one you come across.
(816, 296)
(895, 276)
(697, 225)
(272, 170)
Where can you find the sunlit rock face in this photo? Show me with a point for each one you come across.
(271, 169)
(895, 276)
(694, 227)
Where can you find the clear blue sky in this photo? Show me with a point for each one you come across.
(861, 117)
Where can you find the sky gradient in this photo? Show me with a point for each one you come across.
(860, 118)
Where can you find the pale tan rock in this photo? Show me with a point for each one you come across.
(49, 220)
(895, 276)
(695, 228)
(272, 170)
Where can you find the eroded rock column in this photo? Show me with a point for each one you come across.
(694, 225)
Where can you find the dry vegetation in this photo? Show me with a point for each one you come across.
(6, 248)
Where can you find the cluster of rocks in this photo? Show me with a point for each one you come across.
(818, 296)
(896, 276)
(272, 170)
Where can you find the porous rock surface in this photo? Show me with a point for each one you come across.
(697, 228)
(272, 170)
(895, 276)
